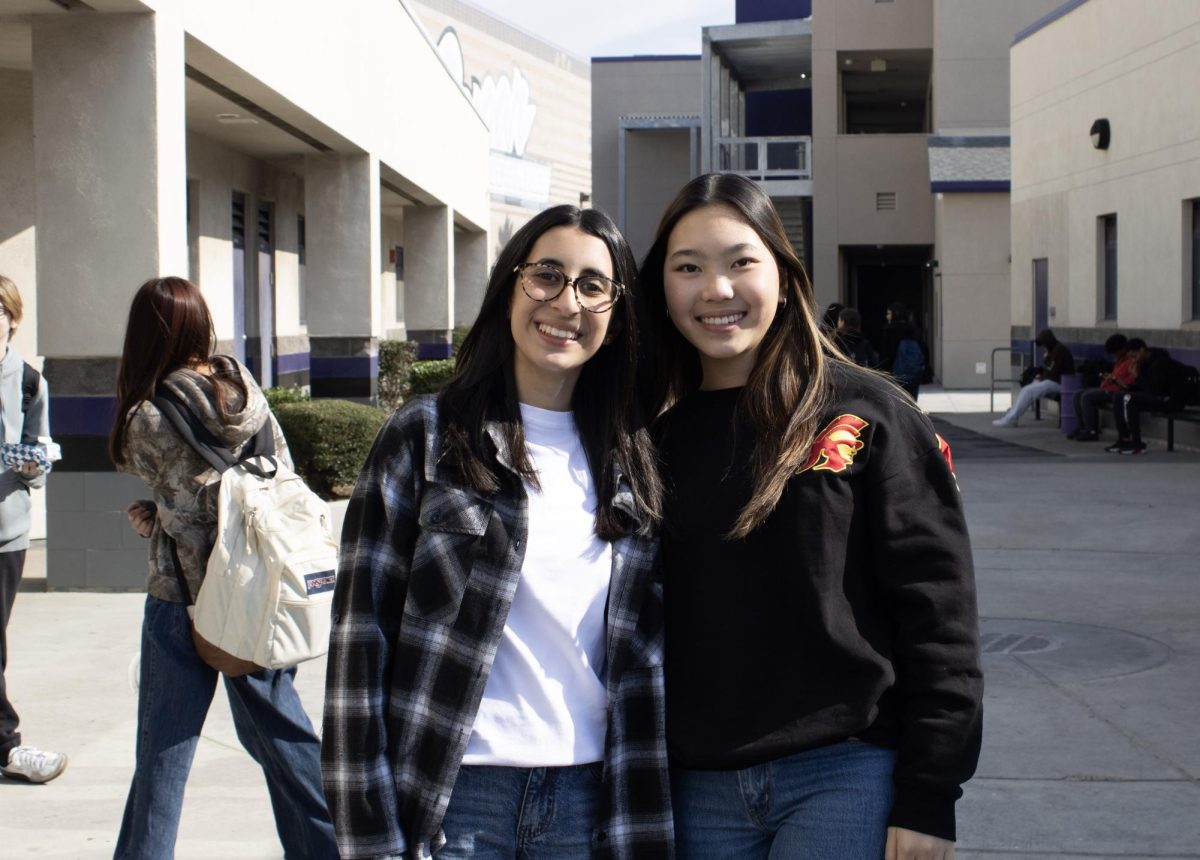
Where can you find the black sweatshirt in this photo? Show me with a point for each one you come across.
(850, 613)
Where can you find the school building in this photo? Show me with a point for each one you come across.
(1106, 176)
(879, 127)
(330, 175)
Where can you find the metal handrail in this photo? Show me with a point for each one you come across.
(994, 379)
(730, 156)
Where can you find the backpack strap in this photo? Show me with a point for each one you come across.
(31, 381)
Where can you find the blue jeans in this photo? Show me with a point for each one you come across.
(832, 801)
(515, 813)
(175, 693)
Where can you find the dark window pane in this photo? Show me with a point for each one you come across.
(1196, 259)
(1110, 267)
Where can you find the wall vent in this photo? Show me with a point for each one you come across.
(885, 201)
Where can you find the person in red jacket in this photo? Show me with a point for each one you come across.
(1089, 400)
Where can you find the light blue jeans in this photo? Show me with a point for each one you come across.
(515, 813)
(832, 801)
(175, 693)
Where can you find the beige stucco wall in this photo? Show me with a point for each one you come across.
(870, 163)
(1136, 71)
(859, 25)
(367, 72)
(536, 96)
(849, 169)
(642, 88)
(971, 39)
(971, 284)
(17, 209)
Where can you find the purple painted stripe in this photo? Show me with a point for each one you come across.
(434, 351)
(292, 363)
(970, 186)
(344, 367)
(647, 58)
(1084, 351)
(82, 416)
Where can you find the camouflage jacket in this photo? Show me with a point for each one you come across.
(184, 486)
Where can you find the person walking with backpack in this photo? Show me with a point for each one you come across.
(168, 346)
(495, 681)
(24, 408)
(903, 354)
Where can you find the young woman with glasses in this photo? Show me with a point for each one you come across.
(823, 680)
(495, 679)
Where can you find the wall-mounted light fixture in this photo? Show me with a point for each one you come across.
(1101, 134)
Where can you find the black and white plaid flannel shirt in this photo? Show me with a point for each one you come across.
(427, 574)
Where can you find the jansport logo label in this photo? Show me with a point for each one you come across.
(836, 446)
(316, 583)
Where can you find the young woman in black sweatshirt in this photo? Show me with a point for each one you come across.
(823, 679)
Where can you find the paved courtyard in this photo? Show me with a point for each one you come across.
(1089, 581)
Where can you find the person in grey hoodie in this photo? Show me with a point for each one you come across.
(168, 345)
(24, 416)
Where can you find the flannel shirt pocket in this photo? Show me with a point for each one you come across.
(452, 524)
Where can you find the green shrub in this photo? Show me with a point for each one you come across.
(428, 377)
(396, 359)
(286, 394)
(329, 441)
(457, 337)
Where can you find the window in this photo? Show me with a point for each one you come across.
(1195, 250)
(1108, 266)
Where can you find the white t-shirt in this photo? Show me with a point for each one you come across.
(545, 703)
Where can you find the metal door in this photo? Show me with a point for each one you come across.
(265, 243)
(1041, 301)
(239, 276)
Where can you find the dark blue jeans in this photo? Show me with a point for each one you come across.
(516, 813)
(829, 802)
(176, 691)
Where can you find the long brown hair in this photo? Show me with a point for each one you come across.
(789, 389)
(169, 327)
(606, 409)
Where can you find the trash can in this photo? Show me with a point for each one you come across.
(1068, 421)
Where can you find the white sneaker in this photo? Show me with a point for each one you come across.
(1005, 421)
(31, 764)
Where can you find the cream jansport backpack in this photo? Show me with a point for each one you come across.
(265, 599)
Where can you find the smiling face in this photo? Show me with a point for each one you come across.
(554, 339)
(723, 289)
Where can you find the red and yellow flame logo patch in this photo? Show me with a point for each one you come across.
(836, 445)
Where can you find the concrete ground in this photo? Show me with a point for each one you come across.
(1088, 567)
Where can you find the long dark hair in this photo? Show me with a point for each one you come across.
(789, 389)
(606, 410)
(169, 327)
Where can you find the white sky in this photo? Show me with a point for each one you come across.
(606, 28)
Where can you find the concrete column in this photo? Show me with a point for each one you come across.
(17, 212)
(429, 278)
(110, 179)
(341, 205)
(470, 275)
